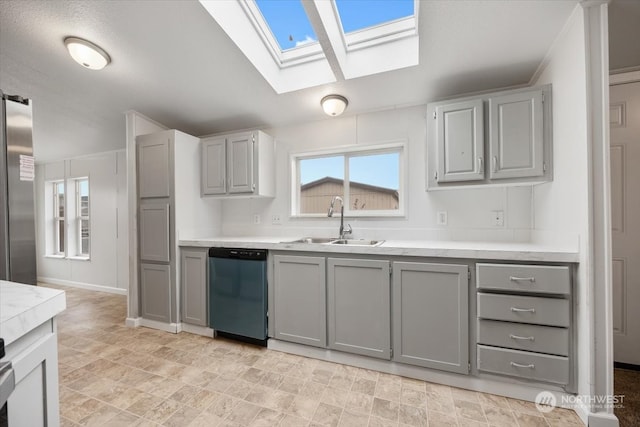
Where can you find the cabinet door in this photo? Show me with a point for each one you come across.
(214, 166)
(516, 135)
(154, 232)
(431, 315)
(155, 289)
(240, 149)
(300, 299)
(359, 306)
(460, 141)
(194, 281)
(153, 165)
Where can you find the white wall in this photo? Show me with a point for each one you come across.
(107, 268)
(469, 210)
(561, 207)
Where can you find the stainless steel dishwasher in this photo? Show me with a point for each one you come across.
(238, 293)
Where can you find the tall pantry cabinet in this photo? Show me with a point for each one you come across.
(169, 204)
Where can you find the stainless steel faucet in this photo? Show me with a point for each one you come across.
(343, 232)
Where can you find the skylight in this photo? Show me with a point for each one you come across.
(361, 14)
(288, 22)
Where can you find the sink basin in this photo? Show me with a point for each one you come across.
(314, 240)
(357, 242)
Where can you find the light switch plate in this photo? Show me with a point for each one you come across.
(442, 218)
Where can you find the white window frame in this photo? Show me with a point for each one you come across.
(57, 218)
(80, 217)
(347, 152)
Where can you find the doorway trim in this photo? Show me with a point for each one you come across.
(623, 78)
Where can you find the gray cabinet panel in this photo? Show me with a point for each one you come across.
(359, 306)
(154, 232)
(153, 166)
(516, 308)
(460, 139)
(240, 149)
(520, 336)
(300, 299)
(516, 135)
(214, 166)
(524, 278)
(193, 272)
(523, 364)
(431, 315)
(155, 287)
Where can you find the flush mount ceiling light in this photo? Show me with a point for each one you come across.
(86, 53)
(334, 105)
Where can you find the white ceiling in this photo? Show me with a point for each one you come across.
(173, 63)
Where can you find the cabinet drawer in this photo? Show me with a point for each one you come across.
(541, 339)
(521, 309)
(523, 364)
(524, 278)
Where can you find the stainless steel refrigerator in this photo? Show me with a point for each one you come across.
(17, 211)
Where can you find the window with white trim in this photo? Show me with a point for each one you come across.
(368, 179)
(83, 234)
(58, 195)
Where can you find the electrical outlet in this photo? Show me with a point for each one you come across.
(256, 219)
(275, 220)
(442, 218)
(498, 218)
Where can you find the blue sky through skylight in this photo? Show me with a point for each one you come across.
(358, 14)
(288, 22)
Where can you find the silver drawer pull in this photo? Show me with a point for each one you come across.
(518, 365)
(522, 279)
(523, 310)
(516, 337)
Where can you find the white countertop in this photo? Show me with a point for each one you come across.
(506, 251)
(24, 307)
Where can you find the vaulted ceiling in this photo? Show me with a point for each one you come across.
(172, 62)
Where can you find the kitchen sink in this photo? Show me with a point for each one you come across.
(357, 242)
(334, 241)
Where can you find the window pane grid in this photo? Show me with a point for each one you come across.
(82, 220)
(59, 218)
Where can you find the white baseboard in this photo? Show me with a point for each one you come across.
(195, 329)
(601, 419)
(483, 384)
(82, 285)
(132, 322)
(161, 326)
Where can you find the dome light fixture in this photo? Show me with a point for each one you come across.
(334, 105)
(87, 54)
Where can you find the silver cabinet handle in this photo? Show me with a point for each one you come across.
(495, 163)
(480, 165)
(522, 279)
(517, 337)
(523, 310)
(518, 365)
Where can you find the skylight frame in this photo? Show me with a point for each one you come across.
(284, 58)
(381, 33)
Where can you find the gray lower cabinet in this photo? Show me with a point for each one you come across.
(193, 282)
(155, 287)
(431, 315)
(359, 306)
(300, 299)
(154, 231)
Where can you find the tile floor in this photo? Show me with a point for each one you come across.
(111, 375)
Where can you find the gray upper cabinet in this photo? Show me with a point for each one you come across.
(431, 315)
(359, 306)
(516, 135)
(300, 299)
(214, 166)
(154, 232)
(155, 292)
(193, 285)
(153, 166)
(496, 138)
(460, 130)
(238, 165)
(241, 163)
